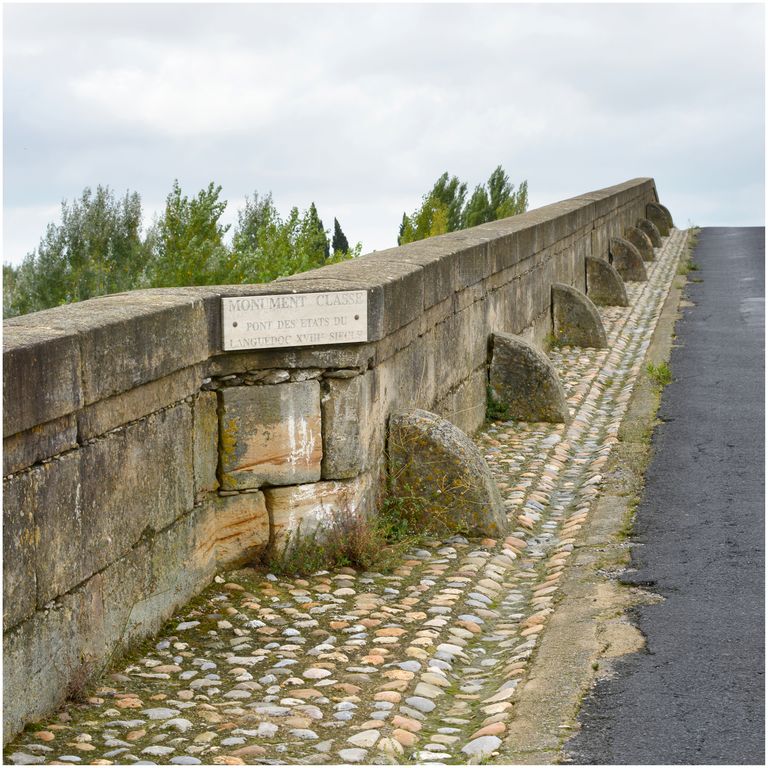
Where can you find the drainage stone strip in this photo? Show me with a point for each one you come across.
(417, 666)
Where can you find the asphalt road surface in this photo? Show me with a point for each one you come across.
(696, 694)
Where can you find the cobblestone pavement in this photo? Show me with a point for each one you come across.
(417, 666)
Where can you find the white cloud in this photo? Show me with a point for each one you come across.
(18, 224)
(360, 107)
(185, 93)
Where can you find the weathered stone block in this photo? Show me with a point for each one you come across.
(651, 230)
(346, 409)
(353, 356)
(463, 331)
(126, 589)
(40, 442)
(466, 404)
(144, 587)
(441, 476)
(465, 254)
(504, 249)
(141, 475)
(124, 340)
(436, 261)
(395, 290)
(41, 374)
(575, 319)
(235, 528)
(112, 412)
(307, 510)
(19, 544)
(170, 585)
(51, 656)
(471, 261)
(524, 380)
(599, 243)
(627, 260)
(58, 650)
(270, 435)
(35, 654)
(641, 241)
(137, 337)
(659, 216)
(604, 284)
(53, 493)
(92, 505)
(206, 442)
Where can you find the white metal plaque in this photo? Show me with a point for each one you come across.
(294, 320)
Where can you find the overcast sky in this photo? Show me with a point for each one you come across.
(361, 108)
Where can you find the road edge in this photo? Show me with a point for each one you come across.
(589, 626)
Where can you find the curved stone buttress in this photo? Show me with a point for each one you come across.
(604, 284)
(668, 215)
(641, 241)
(440, 476)
(650, 229)
(575, 319)
(523, 379)
(627, 260)
(660, 216)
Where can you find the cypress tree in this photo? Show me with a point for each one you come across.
(403, 225)
(340, 244)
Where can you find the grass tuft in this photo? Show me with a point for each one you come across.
(660, 374)
(369, 543)
(687, 263)
(495, 411)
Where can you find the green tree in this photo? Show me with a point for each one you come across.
(20, 288)
(339, 244)
(450, 192)
(440, 211)
(188, 241)
(258, 213)
(268, 246)
(478, 209)
(445, 208)
(429, 220)
(313, 237)
(403, 227)
(516, 203)
(499, 189)
(262, 241)
(96, 249)
(503, 198)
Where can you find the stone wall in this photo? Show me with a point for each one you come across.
(139, 458)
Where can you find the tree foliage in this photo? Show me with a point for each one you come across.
(98, 248)
(340, 244)
(445, 207)
(187, 242)
(314, 233)
(268, 246)
(478, 210)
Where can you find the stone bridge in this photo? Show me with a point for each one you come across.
(144, 451)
